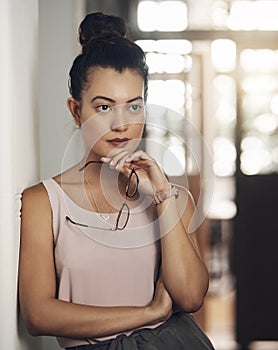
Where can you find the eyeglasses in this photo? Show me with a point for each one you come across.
(121, 220)
(124, 212)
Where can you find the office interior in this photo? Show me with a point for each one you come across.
(214, 65)
(214, 89)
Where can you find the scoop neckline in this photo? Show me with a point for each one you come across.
(132, 210)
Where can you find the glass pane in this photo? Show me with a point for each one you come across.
(252, 15)
(224, 156)
(257, 154)
(162, 15)
(245, 15)
(168, 63)
(174, 63)
(155, 62)
(182, 47)
(200, 14)
(169, 93)
(173, 160)
(224, 151)
(167, 56)
(146, 15)
(264, 84)
(220, 14)
(165, 139)
(168, 99)
(259, 110)
(178, 15)
(259, 60)
(223, 55)
(224, 88)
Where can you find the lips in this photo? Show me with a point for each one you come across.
(119, 142)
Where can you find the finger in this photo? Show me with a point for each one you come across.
(138, 155)
(123, 158)
(106, 159)
(114, 161)
(122, 163)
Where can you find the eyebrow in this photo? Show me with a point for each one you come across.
(113, 101)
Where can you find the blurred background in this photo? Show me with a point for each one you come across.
(214, 64)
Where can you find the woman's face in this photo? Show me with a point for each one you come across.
(111, 112)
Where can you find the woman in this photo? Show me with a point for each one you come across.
(105, 256)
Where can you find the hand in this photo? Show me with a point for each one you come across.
(151, 179)
(162, 303)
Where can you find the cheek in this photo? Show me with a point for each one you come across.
(137, 131)
(93, 130)
(140, 130)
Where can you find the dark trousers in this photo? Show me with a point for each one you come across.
(180, 332)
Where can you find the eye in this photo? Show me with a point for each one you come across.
(103, 108)
(135, 107)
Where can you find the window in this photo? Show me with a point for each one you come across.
(169, 95)
(245, 15)
(162, 16)
(259, 110)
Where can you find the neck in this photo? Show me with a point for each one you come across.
(100, 174)
(104, 187)
(90, 162)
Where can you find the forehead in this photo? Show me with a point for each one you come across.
(119, 86)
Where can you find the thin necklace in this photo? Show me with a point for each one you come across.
(93, 201)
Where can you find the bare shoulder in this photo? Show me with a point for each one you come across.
(186, 203)
(186, 206)
(35, 195)
(36, 208)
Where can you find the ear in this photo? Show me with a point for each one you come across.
(74, 108)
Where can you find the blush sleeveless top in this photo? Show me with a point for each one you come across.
(101, 267)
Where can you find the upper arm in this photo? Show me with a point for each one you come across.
(36, 263)
(186, 206)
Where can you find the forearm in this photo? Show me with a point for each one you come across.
(64, 319)
(184, 273)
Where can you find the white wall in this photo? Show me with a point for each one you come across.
(58, 46)
(33, 90)
(18, 151)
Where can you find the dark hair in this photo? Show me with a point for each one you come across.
(104, 44)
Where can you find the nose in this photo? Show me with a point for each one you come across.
(119, 120)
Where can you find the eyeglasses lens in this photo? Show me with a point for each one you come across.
(132, 184)
(123, 217)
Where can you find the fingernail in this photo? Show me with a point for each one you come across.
(117, 166)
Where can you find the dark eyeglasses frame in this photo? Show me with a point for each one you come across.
(128, 194)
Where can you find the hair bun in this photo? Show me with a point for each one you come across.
(97, 25)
